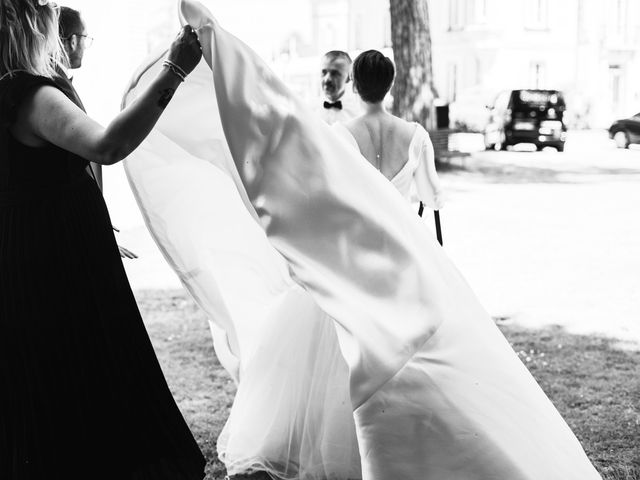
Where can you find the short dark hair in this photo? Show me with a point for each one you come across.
(335, 54)
(69, 22)
(372, 75)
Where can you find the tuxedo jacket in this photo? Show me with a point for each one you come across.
(64, 83)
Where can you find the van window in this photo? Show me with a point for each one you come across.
(537, 98)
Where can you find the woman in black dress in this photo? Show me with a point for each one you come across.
(82, 395)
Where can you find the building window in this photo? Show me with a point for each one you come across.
(536, 14)
(479, 71)
(328, 35)
(582, 27)
(357, 33)
(480, 11)
(463, 13)
(452, 82)
(537, 75)
(457, 14)
(616, 86)
(621, 14)
(388, 42)
(454, 21)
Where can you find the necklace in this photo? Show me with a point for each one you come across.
(377, 151)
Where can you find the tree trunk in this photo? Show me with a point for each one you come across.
(413, 91)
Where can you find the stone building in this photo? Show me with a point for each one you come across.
(590, 49)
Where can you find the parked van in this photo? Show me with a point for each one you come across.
(527, 116)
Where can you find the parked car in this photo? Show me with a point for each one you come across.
(625, 131)
(527, 116)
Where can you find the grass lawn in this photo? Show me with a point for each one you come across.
(594, 383)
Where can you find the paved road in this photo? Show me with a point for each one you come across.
(551, 238)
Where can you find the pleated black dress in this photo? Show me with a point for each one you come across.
(82, 395)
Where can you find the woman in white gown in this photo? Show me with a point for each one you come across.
(402, 151)
(359, 349)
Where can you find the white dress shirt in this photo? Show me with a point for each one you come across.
(350, 109)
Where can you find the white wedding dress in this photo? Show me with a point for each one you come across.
(417, 178)
(359, 350)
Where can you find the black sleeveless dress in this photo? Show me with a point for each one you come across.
(82, 395)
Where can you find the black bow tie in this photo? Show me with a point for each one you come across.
(337, 105)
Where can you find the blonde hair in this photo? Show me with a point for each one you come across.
(29, 39)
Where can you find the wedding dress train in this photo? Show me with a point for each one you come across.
(359, 350)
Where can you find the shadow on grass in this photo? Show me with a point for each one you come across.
(594, 384)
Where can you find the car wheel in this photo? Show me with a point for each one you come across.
(560, 147)
(621, 138)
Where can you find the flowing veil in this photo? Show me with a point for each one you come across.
(353, 338)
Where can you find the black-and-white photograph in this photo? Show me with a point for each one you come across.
(320, 240)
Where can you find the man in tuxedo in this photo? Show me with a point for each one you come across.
(74, 38)
(339, 104)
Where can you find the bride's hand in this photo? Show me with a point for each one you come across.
(185, 51)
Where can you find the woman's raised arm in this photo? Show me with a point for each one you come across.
(50, 116)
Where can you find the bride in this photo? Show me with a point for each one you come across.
(400, 150)
(358, 348)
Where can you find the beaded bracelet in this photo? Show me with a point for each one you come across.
(175, 69)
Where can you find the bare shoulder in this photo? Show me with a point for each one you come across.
(342, 130)
(44, 100)
(41, 103)
(404, 130)
(48, 116)
(49, 97)
(354, 125)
